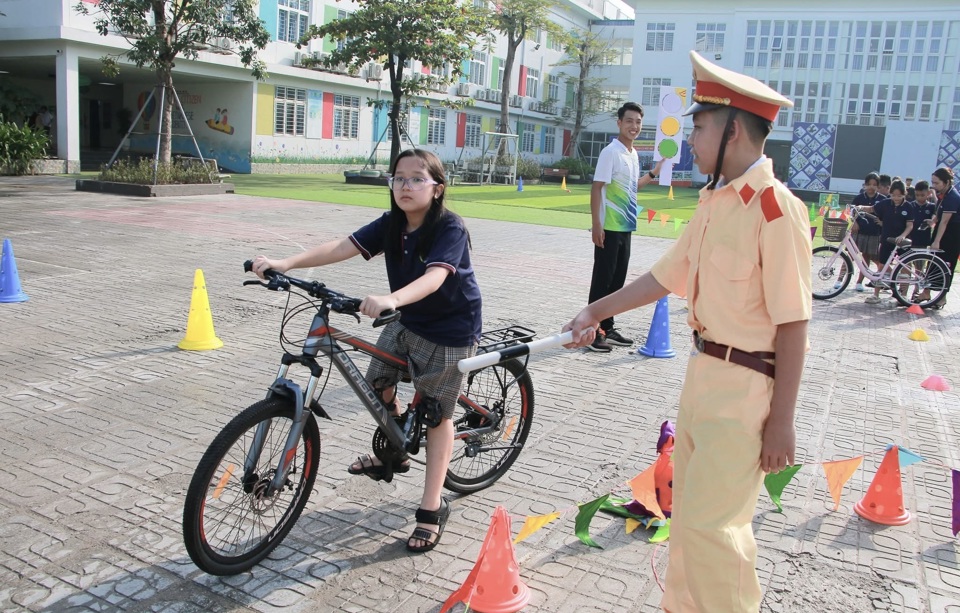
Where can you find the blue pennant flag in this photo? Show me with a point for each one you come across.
(908, 457)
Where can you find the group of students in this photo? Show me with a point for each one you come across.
(897, 210)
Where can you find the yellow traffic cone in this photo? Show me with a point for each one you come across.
(919, 335)
(670, 193)
(563, 184)
(200, 335)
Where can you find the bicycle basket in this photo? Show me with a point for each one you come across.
(834, 230)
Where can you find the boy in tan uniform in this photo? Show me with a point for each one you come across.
(743, 263)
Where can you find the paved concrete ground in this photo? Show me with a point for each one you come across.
(104, 421)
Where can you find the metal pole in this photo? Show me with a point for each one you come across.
(130, 129)
(196, 145)
(156, 155)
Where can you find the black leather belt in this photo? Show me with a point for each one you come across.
(753, 361)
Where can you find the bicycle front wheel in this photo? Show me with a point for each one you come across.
(920, 278)
(230, 522)
(831, 272)
(506, 390)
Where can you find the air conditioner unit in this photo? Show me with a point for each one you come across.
(566, 111)
(480, 94)
(493, 95)
(439, 85)
(299, 57)
(463, 89)
(516, 101)
(374, 71)
(340, 68)
(222, 45)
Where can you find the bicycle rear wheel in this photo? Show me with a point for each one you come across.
(920, 278)
(831, 273)
(229, 522)
(478, 461)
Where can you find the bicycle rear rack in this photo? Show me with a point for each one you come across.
(495, 340)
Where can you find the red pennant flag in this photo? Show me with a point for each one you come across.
(650, 215)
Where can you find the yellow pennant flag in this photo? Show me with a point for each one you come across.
(645, 491)
(838, 473)
(534, 523)
(663, 219)
(633, 524)
(677, 222)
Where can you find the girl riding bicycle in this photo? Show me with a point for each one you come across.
(432, 283)
(896, 217)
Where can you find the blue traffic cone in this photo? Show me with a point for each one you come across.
(520, 184)
(658, 340)
(10, 290)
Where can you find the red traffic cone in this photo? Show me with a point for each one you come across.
(883, 502)
(914, 309)
(494, 585)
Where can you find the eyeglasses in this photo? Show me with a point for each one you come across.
(414, 184)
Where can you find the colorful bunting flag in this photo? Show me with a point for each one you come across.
(584, 517)
(663, 219)
(677, 222)
(650, 215)
(776, 482)
(956, 502)
(533, 524)
(662, 533)
(907, 457)
(633, 524)
(645, 491)
(838, 473)
(813, 213)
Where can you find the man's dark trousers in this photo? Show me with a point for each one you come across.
(609, 268)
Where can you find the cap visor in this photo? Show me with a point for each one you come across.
(698, 107)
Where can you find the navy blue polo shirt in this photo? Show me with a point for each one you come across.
(449, 316)
(868, 227)
(950, 203)
(894, 218)
(922, 211)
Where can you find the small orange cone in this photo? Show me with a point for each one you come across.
(883, 502)
(200, 335)
(935, 383)
(494, 585)
(915, 309)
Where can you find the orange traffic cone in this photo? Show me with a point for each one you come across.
(494, 585)
(883, 502)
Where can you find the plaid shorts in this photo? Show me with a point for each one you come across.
(433, 367)
(869, 244)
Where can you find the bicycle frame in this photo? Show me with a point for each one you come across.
(323, 339)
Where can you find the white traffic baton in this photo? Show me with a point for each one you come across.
(513, 351)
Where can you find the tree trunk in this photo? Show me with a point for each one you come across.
(505, 93)
(166, 92)
(396, 74)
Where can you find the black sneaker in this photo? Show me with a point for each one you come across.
(615, 338)
(600, 343)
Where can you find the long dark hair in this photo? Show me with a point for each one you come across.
(438, 211)
(944, 174)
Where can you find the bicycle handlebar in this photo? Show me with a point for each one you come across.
(514, 351)
(340, 303)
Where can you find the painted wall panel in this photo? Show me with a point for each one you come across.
(910, 148)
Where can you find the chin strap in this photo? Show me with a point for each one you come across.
(723, 147)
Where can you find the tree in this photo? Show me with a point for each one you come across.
(516, 19)
(160, 31)
(435, 32)
(586, 50)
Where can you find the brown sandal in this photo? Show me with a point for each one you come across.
(436, 518)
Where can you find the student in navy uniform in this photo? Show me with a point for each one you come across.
(946, 234)
(924, 211)
(896, 216)
(866, 229)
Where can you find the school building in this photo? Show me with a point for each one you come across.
(50, 54)
(876, 86)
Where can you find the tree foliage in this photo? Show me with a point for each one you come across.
(160, 31)
(437, 33)
(586, 51)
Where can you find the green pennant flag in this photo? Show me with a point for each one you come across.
(776, 482)
(616, 506)
(662, 534)
(677, 222)
(813, 213)
(584, 517)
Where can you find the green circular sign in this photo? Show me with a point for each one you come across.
(668, 148)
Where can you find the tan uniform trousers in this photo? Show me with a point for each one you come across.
(716, 481)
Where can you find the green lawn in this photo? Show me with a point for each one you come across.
(543, 204)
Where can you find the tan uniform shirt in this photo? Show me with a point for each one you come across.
(743, 262)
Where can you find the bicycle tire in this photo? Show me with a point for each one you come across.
(830, 282)
(227, 528)
(916, 273)
(507, 389)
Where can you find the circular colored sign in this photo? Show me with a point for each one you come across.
(671, 103)
(667, 149)
(670, 126)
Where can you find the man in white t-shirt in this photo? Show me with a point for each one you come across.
(613, 205)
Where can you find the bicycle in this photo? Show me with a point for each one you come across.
(914, 276)
(253, 482)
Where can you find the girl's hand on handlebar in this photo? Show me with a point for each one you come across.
(262, 263)
(373, 306)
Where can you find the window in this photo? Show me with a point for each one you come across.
(901, 63)
(554, 43)
(762, 60)
(477, 72)
(916, 63)
(871, 62)
(894, 109)
(342, 14)
(828, 61)
(528, 133)
(710, 37)
(748, 60)
(660, 36)
(437, 127)
(650, 93)
(932, 63)
(292, 19)
(550, 138)
(553, 87)
(346, 116)
(533, 82)
(289, 111)
(815, 60)
(857, 62)
(472, 133)
(500, 77)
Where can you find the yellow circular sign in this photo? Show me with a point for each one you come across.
(670, 126)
